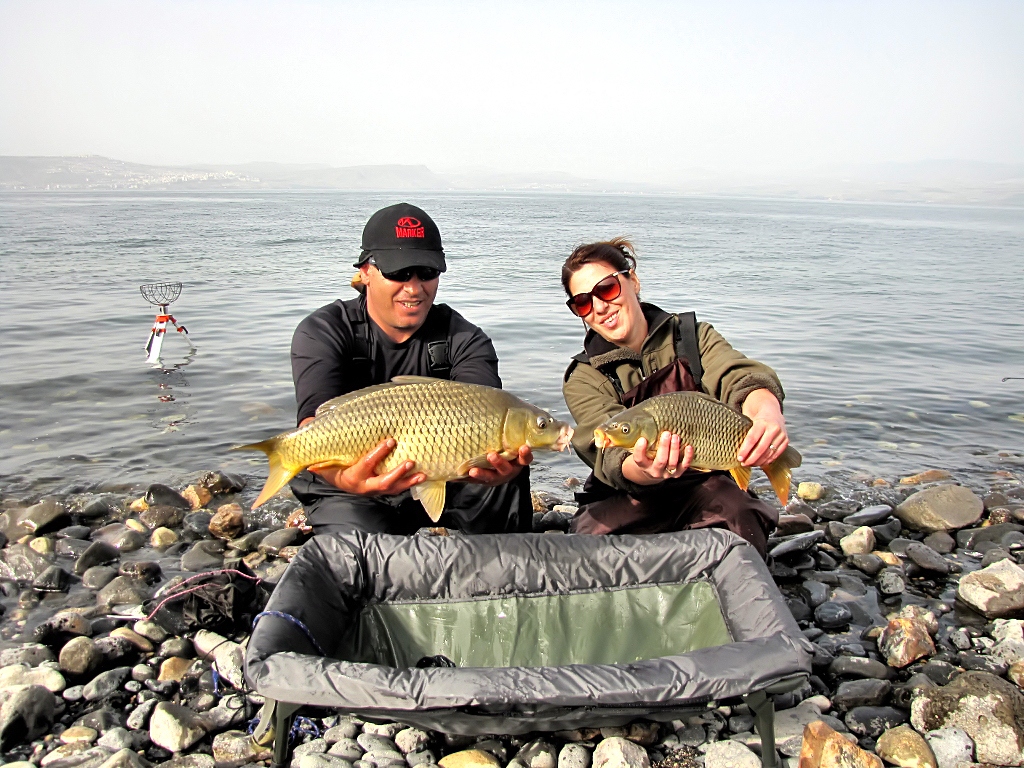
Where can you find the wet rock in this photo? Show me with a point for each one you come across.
(98, 577)
(471, 758)
(860, 542)
(32, 654)
(815, 592)
(927, 558)
(53, 579)
(204, 556)
(106, 683)
(940, 508)
(951, 746)
(73, 548)
(46, 516)
(995, 591)
(872, 515)
(25, 714)
(102, 719)
(853, 666)
(221, 482)
(275, 541)
(823, 747)
(904, 641)
(861, 693)
(887, 532)
(791, 524)
(79, 735)
(809, 491)
(904, 747)
(158, 494)
(941, 542)
(227, 522)
(977, 538)
(24, 563)
(923, 615)
(98, 553)
(174, 727)
(872, 721)
(236, 748)
(870, 564)
(928, 476)
(61, 625)
(162, 516)
(122, 591)
(832, 615)
(980, 663)
(250, 541)
(617, 752)
(146, 571)
(47, 675)
(120, 537)
(139, 718)
(101, 506)
(197, 496)
(730, 754)
(197, 523)
(984, 706)
(891, 582)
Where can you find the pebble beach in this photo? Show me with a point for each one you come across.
(908, 587)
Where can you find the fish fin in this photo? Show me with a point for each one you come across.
(431, 495)
(279, 473)
(779, 472)
(479, 462)
(741, 475)
(413, 379)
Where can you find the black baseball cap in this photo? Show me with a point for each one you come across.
(402, 236)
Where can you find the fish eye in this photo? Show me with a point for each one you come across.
(542, 422)
(624, 429)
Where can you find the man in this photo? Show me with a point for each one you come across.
(394, 329)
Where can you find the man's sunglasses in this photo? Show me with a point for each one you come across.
(607, 289)
(425, 274)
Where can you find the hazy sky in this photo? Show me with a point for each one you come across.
(626, 90)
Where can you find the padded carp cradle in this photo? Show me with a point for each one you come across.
(547, 632)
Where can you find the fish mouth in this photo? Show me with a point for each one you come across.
(564, 438)
(601, 439)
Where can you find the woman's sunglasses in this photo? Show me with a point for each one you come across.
(425, 274)
(607, 289)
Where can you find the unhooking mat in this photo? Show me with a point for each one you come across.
(545, 631)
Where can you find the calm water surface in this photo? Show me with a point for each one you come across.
(891, 326)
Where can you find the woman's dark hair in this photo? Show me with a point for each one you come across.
(617, 252)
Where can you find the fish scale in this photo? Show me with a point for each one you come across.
(445, 427)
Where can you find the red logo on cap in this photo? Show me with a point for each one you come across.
(407, 226)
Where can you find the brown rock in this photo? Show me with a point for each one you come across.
(903, 746)
(227, 522)
(825, 748)
(940, 508)
(904, 641)
(888, 557)
(297, 519)
(928, 476)
(134, 638)
(197, 496)
(139, 505)
(790, 524)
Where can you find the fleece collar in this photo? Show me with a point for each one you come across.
(601, 351)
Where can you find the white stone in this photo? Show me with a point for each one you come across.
(860, 542)
(810, 491)
(950, 746)
(617, 752)
(174, 727)
(45, 675)
(996, 590)
(730, 754)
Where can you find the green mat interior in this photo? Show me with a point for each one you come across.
(605, 627)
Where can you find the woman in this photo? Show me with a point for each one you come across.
(632, 351)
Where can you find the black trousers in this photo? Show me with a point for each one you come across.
(468, 507)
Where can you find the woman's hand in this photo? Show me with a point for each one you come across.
(502, 470)
(362, 478)
(671, 460)
(767, 438)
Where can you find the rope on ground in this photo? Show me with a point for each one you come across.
(175, 594)
(296, 622)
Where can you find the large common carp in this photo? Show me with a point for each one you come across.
(714, 430)
(446, 427)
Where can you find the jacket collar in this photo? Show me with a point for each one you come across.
(601, 351)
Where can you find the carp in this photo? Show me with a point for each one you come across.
(715, 431)
(446, 427)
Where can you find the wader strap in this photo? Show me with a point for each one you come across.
(687, 346)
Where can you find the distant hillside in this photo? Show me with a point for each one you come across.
(934, 181)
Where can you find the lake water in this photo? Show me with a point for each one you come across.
(891, 326)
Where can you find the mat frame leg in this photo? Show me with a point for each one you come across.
(764, 715)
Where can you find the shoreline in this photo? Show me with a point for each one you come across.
(878, 597)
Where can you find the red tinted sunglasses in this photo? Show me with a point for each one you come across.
(607, 289)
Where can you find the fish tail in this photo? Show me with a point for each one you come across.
(280, 473)
(779, 472)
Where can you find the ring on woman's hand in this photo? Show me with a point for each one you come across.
(671, 470)
(772, 447)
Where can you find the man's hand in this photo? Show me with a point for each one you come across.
(671, 460)
(502, 470)
(362, 478)
(767, 438)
